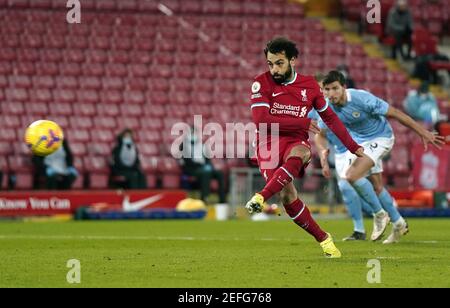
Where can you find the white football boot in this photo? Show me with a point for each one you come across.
(397, 233)
(380, 223)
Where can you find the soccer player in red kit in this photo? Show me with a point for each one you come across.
(282, 96)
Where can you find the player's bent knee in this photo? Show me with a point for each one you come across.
(300, 151)
(351, 177)
(378, 189)
(288, 194)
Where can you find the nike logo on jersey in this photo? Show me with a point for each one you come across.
(276, 94)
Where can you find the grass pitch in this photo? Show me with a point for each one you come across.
(197, 254)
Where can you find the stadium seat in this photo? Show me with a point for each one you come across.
(38, 109)
(21, 170)
(98, 172)
(128, 122)
(170, 172)
(47, 82)
(110, 109)
(81, 122)
(5, 149)
(10, 121)
(5, 169)
(78, 149)
(100, 149)
(64, 108)
(104, 122)
(133, 99)
(102, 136)
(12, 108)
(79, 135)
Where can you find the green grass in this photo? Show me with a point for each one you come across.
(215, 254)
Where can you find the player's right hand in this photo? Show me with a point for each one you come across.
(314, 127)
(326, 171)
(360, 152)
(324, 163)
(434, 139)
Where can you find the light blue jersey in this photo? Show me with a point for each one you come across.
(364, 116)
(332, 138)
(339, 147)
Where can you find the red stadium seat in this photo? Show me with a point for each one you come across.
(113, 83)
(108, 109)
(134, 97)
(20, 81)
(98, 172)
(110, 98)
(52, 55)
(170, 172)
(49, 69)
(90, 83)
(131, 110)
(88, 97)
(67, 82)
(150, 136)
(5, 169)
(25, 68)
(22, 168)
(102, 136)
(100, 149)
(5, 149)
(212, 7)
(128, 122)
(70, 69)
(12, 108)
(37, 108)
(148, 149)
(10, 121)
(78, 149)
(105, 122)
(62, 108)
(157, 98)
(47, 82)
(157, 111)
(81, 122)
(3, 82)
(79, 135)
(116, 70)
(17, 95)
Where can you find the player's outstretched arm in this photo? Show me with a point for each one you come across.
(406, 120)
(322, 148)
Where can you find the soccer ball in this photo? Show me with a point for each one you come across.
(44, 137)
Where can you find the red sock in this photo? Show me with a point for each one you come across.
(283, 176)
(302, 217)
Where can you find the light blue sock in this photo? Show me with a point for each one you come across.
(366, 207)
(388, 204)
(367, 193)
(353, 204)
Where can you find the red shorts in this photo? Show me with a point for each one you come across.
(273, 156)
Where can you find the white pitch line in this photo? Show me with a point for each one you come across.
(140, 238)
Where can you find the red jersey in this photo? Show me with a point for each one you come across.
(289, 104)
(291, 100)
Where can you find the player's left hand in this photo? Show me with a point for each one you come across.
(360, 152)
(434, 139)
(314, 127)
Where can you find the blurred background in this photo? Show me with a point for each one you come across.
(131, 69)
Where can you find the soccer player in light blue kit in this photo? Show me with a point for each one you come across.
(354, 203)
(351, 199)
(365, 116)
